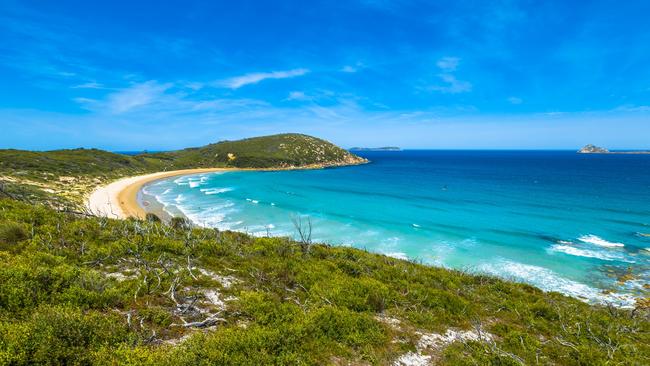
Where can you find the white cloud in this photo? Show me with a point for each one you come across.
(127, 99)
(89, 85)
(254, 78)
(515, 100)
(297, 95)
(194, 85)
(218, 105)
(86, 101)
(149, 101)
(452, 85)
(353, 68)
(136, 96)
(632, 108)
(163, 123)
(448, 64)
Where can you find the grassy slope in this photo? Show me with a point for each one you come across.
(101, 291)
(63, 177)
(258, 152)
(284, 150)
(71, 174)
(41, 165)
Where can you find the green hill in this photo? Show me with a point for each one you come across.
(42, 165)
(275, 151)
(71, 174)
(284, 150)
(62, 178)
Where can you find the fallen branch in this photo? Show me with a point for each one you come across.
(208, 322)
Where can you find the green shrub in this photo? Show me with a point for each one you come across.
(151, 217)
(11, 233)
(58, 336)
(179, 223)
(347, 327)
(101, 291)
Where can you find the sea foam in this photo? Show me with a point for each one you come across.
(210, 191)
(212, 217)
(367, 209)
(579, 252)
(182, 181)
(398, 255)
(548, 280)
(596, 240)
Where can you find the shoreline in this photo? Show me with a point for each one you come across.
(119, 199)
(128, 191)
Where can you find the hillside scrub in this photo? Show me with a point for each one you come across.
(275, 151)
(86, 290)
(62, 178)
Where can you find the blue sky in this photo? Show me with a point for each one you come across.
(130, 75)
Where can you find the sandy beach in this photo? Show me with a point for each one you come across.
(119, 199)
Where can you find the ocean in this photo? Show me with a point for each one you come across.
(574, 223)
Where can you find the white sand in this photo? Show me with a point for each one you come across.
(104, 200)
(118, 200)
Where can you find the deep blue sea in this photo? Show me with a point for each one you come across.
(562, 221)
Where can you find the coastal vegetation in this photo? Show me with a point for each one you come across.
(79, 289)
(276, 151)
(88, 290)
(69, 175)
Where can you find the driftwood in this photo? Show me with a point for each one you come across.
(210, 321)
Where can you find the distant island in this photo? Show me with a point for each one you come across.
(385, 148)
(592, 149)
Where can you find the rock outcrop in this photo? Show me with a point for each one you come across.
(592, 149)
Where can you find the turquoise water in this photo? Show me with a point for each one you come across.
(559, 220)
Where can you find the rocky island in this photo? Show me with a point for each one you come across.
(592, 149)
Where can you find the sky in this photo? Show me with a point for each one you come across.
(158, 75)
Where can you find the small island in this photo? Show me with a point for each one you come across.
(385, 148)
(592, 149)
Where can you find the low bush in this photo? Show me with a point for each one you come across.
(151, 217)
(179, 223)
(99, 291)
(11, 233)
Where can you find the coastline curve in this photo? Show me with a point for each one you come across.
(118, 200)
